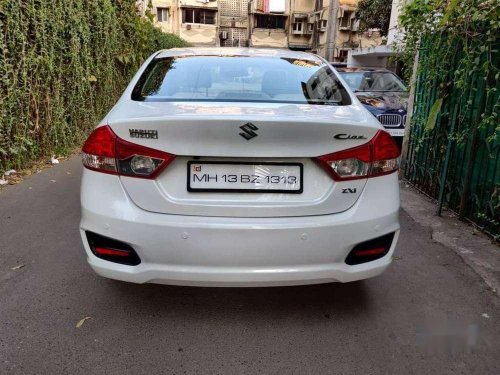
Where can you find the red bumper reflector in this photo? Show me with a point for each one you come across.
(368, 252)
(112, 252)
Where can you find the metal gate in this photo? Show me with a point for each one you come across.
(453, 152)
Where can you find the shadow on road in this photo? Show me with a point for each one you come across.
(336, 299)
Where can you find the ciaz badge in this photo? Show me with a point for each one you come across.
(348, 136)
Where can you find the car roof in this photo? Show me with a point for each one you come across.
(236, 51)
(361, 69)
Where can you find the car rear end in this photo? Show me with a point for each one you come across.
(214, 176)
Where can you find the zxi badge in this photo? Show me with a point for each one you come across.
(249, 131)
(349, 191)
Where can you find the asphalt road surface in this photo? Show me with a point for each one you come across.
(428, 314)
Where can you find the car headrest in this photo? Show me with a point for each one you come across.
(204, 80)
(273, 82)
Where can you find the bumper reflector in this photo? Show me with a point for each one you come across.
(112, 250)
(364, 253)
(370, 250)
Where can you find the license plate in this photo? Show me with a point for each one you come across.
(395, 132)
(249, 177)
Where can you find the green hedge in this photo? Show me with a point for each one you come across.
(62, 66)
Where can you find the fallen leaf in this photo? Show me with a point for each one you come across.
(80, 323)
(17, 267)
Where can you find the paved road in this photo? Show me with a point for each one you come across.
(423, 316)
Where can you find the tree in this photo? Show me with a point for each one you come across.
(374, 14)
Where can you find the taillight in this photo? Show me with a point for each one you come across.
(378, 157)
(105, 152)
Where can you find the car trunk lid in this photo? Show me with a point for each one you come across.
(243, 133)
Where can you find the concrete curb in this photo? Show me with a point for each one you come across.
(474, 247)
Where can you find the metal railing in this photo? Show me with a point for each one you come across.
(457, 161)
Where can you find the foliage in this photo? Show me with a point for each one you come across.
(457, 86)
(461, 39)
(374, 14)
(62, 65)
(473, 23)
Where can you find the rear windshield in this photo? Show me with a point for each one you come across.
(373, 81)
(240, 79)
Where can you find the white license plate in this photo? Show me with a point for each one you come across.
(245, 177)
(395, 132)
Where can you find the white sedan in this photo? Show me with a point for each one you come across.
(239, 167)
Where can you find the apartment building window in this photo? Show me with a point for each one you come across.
(342, 57)
(346, 19)
(162, 14)
(195, 15)
(268, 21)
(297, 27)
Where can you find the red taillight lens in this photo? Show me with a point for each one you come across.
(98, 151)
(378, 157)
(385, 154)
(105, 152)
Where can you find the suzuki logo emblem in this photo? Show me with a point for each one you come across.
(248, 131)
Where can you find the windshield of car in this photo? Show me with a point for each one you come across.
(373, 81)
(240, 79)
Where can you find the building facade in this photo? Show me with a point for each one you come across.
(295, 24)
(380, 55)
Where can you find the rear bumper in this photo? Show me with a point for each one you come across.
(221, 251)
